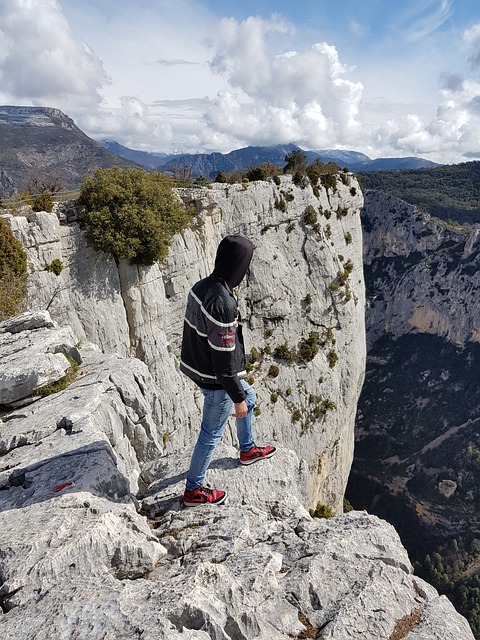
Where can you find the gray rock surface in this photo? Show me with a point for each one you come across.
(94, 542)
(298, 286)
(32, 356)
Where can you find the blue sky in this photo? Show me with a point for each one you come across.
(382, 77)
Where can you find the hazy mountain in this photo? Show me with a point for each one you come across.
(210, 164)
(143, 158)
(45, 142)
(383, 164)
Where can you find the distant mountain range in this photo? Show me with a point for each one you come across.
(210, 164)
(44, 142)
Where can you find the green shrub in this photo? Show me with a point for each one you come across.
(256, 173)
(289, 196)
(130, 213)
(13, 273)
(296, 415)
(309, 346)
(273, 371)
(329, 181)
(254, 354)
(273, 397)
(56, 267)
(284, 352)
(280, 204)
(321, 406)
(296, 161)
(310, 215)
(322, 511)
(300, 179)
(348, 238)
(332, 358)
(276, 180)
(43, 202)
(314, 171)
(221, 177)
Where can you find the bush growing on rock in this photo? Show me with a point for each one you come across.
(256, 173)
(13, 273)
(56, 267)
(130, 213)
(43, 202)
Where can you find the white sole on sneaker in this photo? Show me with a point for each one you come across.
(201, 504)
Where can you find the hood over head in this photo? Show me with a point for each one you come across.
(234, 255)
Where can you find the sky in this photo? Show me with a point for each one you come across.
(385, 78)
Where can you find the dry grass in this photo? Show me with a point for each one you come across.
(406, 624)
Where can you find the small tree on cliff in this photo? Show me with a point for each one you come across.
(296, 162)
(131, 213)
(13, 273)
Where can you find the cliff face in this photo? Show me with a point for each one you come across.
(422, 274)
(305, 283)
(416, 460)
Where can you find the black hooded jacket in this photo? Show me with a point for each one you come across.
(213, 353)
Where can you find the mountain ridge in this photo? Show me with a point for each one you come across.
(210, 164)
(43, 141)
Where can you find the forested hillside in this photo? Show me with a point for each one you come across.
(450, 192)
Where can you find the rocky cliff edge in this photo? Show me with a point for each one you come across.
(93, 540)
(95, 544)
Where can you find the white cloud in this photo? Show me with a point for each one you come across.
(472, 35)
(472, 38)
(426, 17)
(300, 97)
(261, 82)
(356, 29)
(41, 61)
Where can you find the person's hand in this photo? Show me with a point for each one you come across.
(240, 410)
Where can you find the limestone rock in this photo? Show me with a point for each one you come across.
(305, 283)
(94, 541)
(32, 355)
(96, 544)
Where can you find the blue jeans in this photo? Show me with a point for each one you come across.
(217, 408)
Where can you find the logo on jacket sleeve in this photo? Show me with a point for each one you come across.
(227, 338)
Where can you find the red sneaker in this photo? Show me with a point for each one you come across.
(257, 453)
(203, 495)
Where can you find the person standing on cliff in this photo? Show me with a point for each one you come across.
(213, 356)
